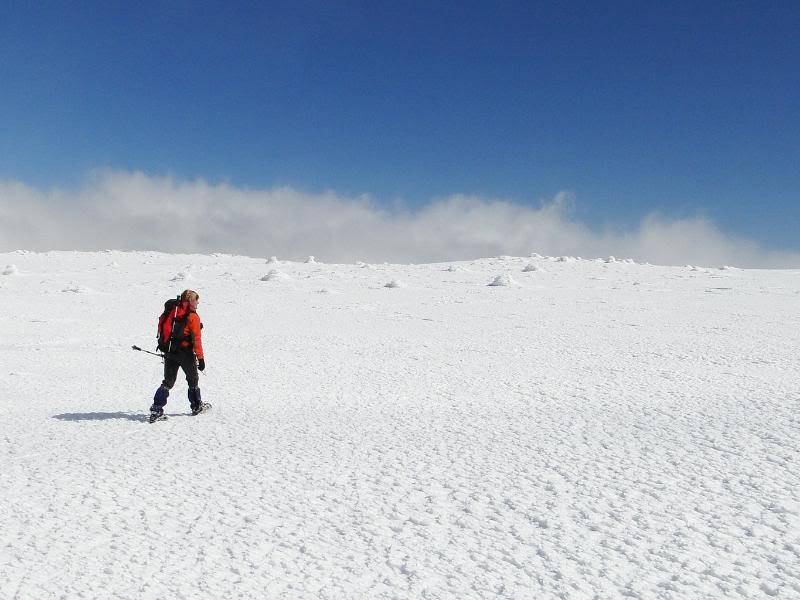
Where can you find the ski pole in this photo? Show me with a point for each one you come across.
(147, 351)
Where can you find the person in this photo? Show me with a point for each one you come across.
(188, 356)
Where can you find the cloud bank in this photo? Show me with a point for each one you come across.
(134, 211)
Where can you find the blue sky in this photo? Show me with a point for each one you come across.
(685, 109)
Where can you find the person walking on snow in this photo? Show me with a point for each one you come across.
(185, 352)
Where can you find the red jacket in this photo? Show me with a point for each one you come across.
(192, 334)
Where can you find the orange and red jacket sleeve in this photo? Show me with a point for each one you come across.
(195, 329)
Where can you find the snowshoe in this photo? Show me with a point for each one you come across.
(200, 408)
(157, 416)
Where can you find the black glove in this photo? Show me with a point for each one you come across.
(201, 364)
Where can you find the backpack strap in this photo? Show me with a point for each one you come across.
(173, 337)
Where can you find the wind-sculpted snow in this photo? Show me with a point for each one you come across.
(598, 429)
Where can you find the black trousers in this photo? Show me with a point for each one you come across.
(183, 360)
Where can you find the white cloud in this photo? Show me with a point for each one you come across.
(133, 211)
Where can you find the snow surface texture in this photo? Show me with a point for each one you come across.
(597, 430)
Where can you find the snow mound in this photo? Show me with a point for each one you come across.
(454, 269)
(502, 281)
(610, 259)
(566, 259)
(310, 260)
(182, 275)
(275, 275)
(10, 270)
(272, 260)
(530, 267)
(394, 283)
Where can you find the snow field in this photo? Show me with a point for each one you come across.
(596, 430)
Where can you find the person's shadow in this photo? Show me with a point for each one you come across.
(102, 416)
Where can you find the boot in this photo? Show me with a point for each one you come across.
(159, 401)
(195, 402)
